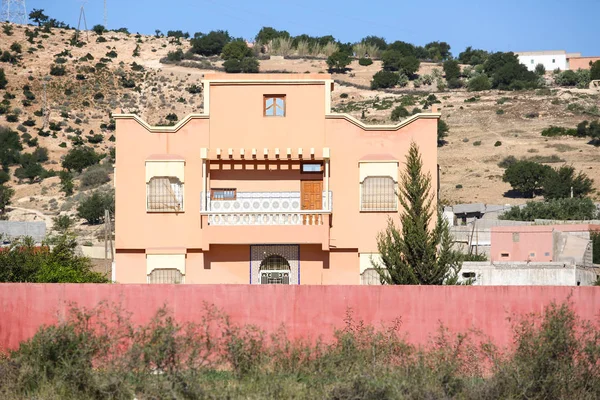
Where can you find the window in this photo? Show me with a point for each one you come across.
(165, 275)
(547, 254)
(274, 105)
(378, 193)
(223, 194)
(468, 275)
(531, 61)
(504, 254)
(553, 61)
(164, 193)
(312, 167)
(275, 269)
(532, 254)
(370, 277)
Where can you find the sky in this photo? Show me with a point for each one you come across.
(500, 25)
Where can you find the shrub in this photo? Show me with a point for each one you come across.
(78, 159)
(194, 89)
(176, 55)
(58, 70)
(101, 39)
(210, 44)
(498, 143)
(526, 177)
(558, 183)
(12, 118)
(442, 132)
(92, 208)
(595, 70)
(66, 182)
(4, 177)
(99, 96)
(94, 176)
(62, 223)
(508, 73)
(338, 61)
(500, 111)
(365, 61)
(507, 162)
(41, 154)
(247, 65)
(479, 83)
(540, 69)
(477, 143)
(399, 112)
(16, 47)
(237, 49)
(559, 209)
(343, 95)
(112, 54)
(384, 79)
(455, 83)
(99, 29)
(451, 69)
(566, 78)
(3, 80)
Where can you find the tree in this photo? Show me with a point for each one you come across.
(66, 182)
(30, 168)
(92, 207)
(3, 80)
(6, 195)
(472, 56)
(62, 223)
(479, 82)
(384, 79)
(508, 73)
(526, 177)
(540, 69)
(438, 51)
(409, 65)
(338, 61)
(376, 41)
(595, 70)
(442, 132)
(246, 65)
(210, 44)
(566, 78)
(38, 16)
(417, 254)
(237, 49)
(391, 60)
(4, 177)
(451, 69)
(10, 147)
(558, 209)
(267, 34)
(558, 183)
(80, 158)
(399, 112)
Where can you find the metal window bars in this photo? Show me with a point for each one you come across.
(378, 193)
(164, 194)
(165, 275)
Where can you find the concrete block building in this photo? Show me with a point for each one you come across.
(266, 186)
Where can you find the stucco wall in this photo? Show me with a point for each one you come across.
(576, 63)
(306, 311)
(560, 61)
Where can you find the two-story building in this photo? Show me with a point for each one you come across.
(267, 185)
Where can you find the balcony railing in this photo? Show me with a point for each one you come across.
(264, 208)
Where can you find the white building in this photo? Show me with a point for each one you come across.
(551, 60)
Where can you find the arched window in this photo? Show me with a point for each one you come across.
(165, 275)
(378, 193)
(275, 269)
(164, 193)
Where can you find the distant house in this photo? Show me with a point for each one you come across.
(551, 59)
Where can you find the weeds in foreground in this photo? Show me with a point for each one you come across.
(100, 354)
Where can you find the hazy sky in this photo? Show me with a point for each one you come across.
(500, 25)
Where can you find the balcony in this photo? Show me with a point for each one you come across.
(265, 217)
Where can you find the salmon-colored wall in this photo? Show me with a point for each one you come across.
(236, 121)
(576, 63)
(305, 311)
(532, 239)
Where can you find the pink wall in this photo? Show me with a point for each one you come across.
(306, 311)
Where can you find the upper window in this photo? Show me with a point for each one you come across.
(532, 61)
(223, 194)
(378, 193)
(316, 167)
(274, 105)
(553, 61)
(164, 193)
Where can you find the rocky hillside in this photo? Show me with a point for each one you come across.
(80, 82)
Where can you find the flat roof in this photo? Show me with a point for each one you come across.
(219, 76)
(540, 53)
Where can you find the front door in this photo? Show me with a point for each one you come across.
(311, 193)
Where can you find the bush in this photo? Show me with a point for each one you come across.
(452, 70)
(540, 69)
(507, 162)
(58, 70)
(66, 182)
(194, 89)
(595, 70)
(176, 55)
(80, 158)
(455, 83)
(384, 79)
(399, 112)
(62, 223)
(3, 80)
(4, 177)
(247, 65)
(99, 29)
(566, 78)
(508, 73)
(92, 207)
(30, 168)
(93, 177)
(558, 209)
(101, 39)
(526, 177)
(498, 143)
(237, 49)
(338, 61)
(442, 132)
(365, 61)
(210, 44)
(479, 83)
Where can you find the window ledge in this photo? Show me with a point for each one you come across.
(164, 212)
(379, 211)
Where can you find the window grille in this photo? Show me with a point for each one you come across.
(223, 194)
(165, 275)
(370, 277)
(275, 269)
(164, 194)
(378, 194)
(274, 105)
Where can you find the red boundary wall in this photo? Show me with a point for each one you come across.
(306, 311)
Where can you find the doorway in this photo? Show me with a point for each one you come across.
(311, 194)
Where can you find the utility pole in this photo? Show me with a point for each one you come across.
(82, 14)
(106, 217)
(105, 16)
(14, 11)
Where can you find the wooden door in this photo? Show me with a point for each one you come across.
(311, 193)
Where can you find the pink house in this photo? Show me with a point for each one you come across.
(266, 186)
(541, 243)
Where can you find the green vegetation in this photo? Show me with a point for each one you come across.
(92, 207)
(583, 129)
(3, 80)
(451, 69)
(338, 61)
(398, 113)
(78, 159)
(210, 44)
(25, 262)
(99, 29)
(6, 194)
(595, 236)
(559, 183)
(526, 177)
(365, 61)
(473, 56)
(238, 58)
(479, 83)
(558, 209)
(417, 254)
(66, 182)
(384, 79)
(595, 70)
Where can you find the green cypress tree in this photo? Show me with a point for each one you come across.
(418, 254)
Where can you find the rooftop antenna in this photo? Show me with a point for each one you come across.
(82, 14)
(105, 16)
(14, 11)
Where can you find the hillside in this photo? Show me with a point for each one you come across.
(125, 72)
